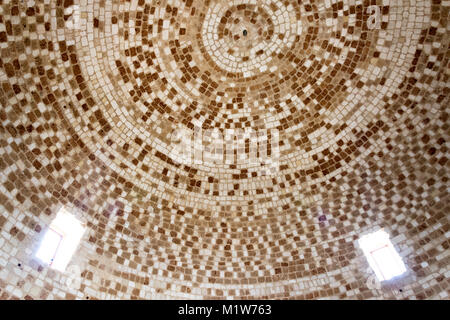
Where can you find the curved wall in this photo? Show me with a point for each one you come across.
(99, 97)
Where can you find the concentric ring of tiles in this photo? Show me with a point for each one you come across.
(225, 43)
(88, 113)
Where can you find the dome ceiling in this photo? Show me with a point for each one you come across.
(141, 117)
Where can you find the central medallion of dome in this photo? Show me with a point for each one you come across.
(244, 37)
(243, 27)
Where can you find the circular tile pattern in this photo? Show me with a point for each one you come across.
(269, 28)
(99, 101)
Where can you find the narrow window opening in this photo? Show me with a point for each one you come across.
(381, 255)
(61, 240)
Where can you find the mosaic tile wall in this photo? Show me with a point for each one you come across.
(92, 91)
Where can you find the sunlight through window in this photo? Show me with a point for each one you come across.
(381, 255)
(61, 240)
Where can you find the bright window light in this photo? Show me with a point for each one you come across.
(61, 240)
(381, 255)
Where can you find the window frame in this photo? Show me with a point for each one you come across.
(70, 231)
(369, 247)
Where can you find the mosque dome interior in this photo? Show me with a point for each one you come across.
(223, 149)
